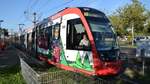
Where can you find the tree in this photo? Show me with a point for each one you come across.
(128, 16)
(147, 23)
(117, 24)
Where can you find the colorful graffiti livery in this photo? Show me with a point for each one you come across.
(76, 39)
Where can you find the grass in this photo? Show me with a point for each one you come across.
(11, 76)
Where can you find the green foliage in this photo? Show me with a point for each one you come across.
(128, 16)
(11, 76)
(117, 22)
(147, 24)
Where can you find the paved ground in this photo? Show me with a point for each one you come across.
(8, 58)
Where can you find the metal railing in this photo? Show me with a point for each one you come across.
(57, 77)
(32, 76)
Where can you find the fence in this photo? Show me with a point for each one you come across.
(32, 76)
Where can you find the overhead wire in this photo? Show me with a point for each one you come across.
(43, 5)
(28, 4)
(27, 8)
(55, 7)
(58, 6)
(87, 2)
(61, 5)
(34, 4)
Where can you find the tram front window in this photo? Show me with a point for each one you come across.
(77, 38)
(104, 40)
(104, 36)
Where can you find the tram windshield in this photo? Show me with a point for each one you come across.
(104, 36)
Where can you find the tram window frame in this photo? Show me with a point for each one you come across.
(41, 36)
(33, 37)
(74, 35)
(49, 35)
(27, 40)
(22, 38)
(32, 40)
(54, 29)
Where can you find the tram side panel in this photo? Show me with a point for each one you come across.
(72, 31)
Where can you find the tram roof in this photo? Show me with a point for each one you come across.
(83, 9)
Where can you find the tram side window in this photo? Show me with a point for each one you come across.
(44, 38)
(47, 37)
(29, 41)
(33, 37)
(41, 38)
(75, 35)
(56, 29)
(22, 39)
(55, 36)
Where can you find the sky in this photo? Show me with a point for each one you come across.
(15, 12)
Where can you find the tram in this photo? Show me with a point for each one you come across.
(79, 39)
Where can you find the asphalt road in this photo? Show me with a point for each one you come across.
(8, 58)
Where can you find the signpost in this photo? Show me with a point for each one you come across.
(143, 60)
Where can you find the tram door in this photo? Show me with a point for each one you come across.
(56, 43)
